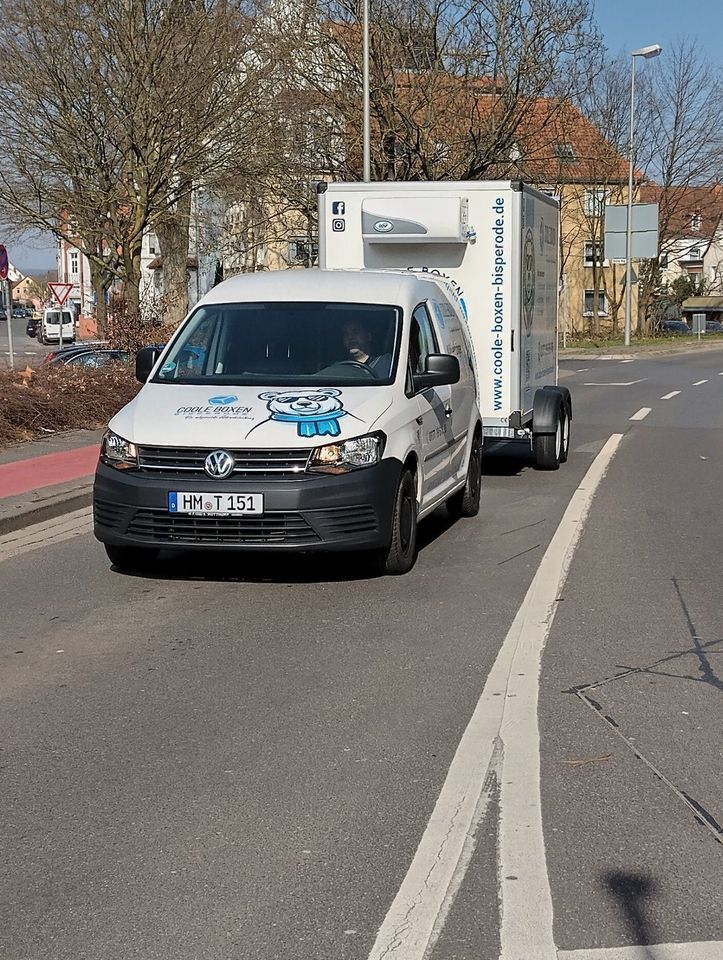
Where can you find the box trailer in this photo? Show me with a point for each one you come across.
(497, 243)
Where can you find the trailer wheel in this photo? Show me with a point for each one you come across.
(548, 447)
(401, 555)
(565, 421)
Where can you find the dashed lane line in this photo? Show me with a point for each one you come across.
(503, 729)
(44, 534)
(626, 383)
(669, 396)
(698, 383)
(702, 950)
(641, 414)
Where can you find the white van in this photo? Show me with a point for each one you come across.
(299, 410)
(50, 326)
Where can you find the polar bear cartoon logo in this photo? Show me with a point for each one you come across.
(316, 413)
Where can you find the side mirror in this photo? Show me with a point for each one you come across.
(145, 362)
(440, 369)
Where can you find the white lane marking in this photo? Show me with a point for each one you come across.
(627, 361)
(44, 534)
(699, 382)
(702, 950)
(669, 396)
(641, 414)
(582, 370)
(626, 383)
(505, 716)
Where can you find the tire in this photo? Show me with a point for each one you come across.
(131, 558)
(548, 447)
(401, 554)
(465, 502)
(565, 446)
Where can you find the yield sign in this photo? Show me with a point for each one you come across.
(60, 291)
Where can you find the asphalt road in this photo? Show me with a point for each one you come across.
(238, 758)
(26, 349)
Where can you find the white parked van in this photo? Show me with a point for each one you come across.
(300, 410)
(50, 326)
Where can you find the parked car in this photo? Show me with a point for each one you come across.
(713, 326)
(3, 315)
(77, 347)
(676, 327)
(19, 313)
(31, 327)
(90, 358)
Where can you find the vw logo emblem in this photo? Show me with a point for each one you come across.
(219, 464)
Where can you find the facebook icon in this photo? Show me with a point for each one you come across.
(338, 208)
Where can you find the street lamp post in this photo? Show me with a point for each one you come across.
(647, 52)
(365, 93)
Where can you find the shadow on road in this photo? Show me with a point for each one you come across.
(507, 460)
(632, 893)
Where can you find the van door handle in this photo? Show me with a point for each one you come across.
(448, 412)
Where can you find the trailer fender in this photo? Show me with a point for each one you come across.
(546, 410)
(565, 394)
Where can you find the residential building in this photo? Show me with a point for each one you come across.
(691, 235)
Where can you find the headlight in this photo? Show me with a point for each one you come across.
(117, 452)
(347, 454)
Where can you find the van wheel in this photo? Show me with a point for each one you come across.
(402, 552)
(131, 558)
(548, 447)
(465, 502)
(565, 423)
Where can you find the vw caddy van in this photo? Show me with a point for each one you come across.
(300, 411)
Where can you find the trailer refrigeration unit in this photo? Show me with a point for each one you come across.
(497, 243)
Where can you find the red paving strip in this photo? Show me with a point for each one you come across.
(24, 476)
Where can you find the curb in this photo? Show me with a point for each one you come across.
(48, 509)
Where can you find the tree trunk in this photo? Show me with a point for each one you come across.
(172, 232)
(98, 282)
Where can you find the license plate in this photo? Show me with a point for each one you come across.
(215, 504)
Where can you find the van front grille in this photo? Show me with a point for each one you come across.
(253, 464)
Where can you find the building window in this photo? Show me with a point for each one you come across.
(594, 202)
(593, 253)
(152, 243)
(589, 303)
(301, 250)
(74, 263)
(663, 261)
(564, 151)
(696, 221)
(695, 253)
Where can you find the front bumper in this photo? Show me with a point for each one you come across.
(351, 511)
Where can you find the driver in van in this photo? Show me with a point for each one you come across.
(357, 339)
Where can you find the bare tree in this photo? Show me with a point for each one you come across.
(129, 104)
(451, 85)
(680, 146)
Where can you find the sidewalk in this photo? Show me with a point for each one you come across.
(44, 478)
(616, 351)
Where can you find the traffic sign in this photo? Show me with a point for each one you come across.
(4, 263)
(60, 291)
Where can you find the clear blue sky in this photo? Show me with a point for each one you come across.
(625, 25)
(630, 24)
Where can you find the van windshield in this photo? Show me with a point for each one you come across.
(286, 344)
